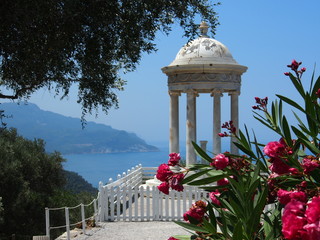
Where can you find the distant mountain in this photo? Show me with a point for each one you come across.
(65, 134)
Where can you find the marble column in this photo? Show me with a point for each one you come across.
(203, 145)
(216, 121)
(191, 135)
(234, 118)
(174, 122)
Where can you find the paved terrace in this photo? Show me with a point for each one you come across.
(152, 230)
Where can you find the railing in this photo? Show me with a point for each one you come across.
(148, 204)
(67, 217)
(127, 199)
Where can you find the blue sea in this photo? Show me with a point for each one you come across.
(100, 167)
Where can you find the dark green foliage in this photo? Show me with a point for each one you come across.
(70, 199)
(29, 178)
(54, 44)
(77, 184)
(1, 211)
(32, 180)
(239, 215)
(64, 134)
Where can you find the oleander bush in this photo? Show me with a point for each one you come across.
(269, 192)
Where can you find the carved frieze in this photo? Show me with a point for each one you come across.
(200, 77)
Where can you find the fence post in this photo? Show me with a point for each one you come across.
(95, 210)
(141, 173)
(112, 207)
(126, 182)
(83, 218)
(100, 202)
(47, 222)
(67, 223)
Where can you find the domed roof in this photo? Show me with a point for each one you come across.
(203, 50)
(204, 54)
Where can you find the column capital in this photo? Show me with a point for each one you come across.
(216, 92)
(192, 91)
(174, 93)
(234, 93)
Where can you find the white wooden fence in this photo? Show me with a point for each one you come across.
(126, 199)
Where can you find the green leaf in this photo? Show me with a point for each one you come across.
(208, 180)
(290, 102)
(286, 131)
(182, 237)
(191, 227)
(311, 115)
(243, 140)
(238, 231)
(315, 174)
(301, 125)
(224, 225)
(274, 113)
(244, 149)
(196, 175)
(212, 216)
(297, 85)
(315, 88)
(209, 226)
(312, 79)
(267, 124)
(201, 153)
(305, 141)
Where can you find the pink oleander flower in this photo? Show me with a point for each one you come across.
(174, 159)
(223, 134)
(163, 172)
(164, 187)
(274, 149)
(230, 127)
(313, 217)
(293, 220)
(286, 196)
(222, 182)
(279, 166)
(318, 93)
(261, 104)
(309, 165)
(294, 171)
(313, 210)
(312, 231)
(172, 238)
(220, 161)
(197, 211)
(294, 65)
(303, 184)
(213, 197)
(299, 196)
(176, 182)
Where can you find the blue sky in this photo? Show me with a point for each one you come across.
(263, 35)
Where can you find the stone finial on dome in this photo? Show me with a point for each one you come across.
(204, 29)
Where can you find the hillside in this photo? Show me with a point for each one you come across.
(77, 184)
(65, 134)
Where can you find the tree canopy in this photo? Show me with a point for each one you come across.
(58, 43)
(29, 179)
(32, 180)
